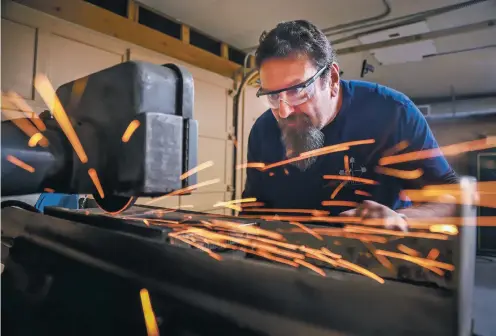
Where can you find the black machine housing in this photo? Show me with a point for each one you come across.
(100, 108)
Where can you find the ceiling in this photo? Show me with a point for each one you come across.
(466, 63)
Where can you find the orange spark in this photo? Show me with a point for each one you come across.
(416, 260)
(340, 203)
(302, 156)
(49, 190)
(258, 165)
(150, 320)
(20, 164)
(407, 250)
(362, 193)
(319, 256)
(338, 189)
(361, 270)
(433, 254)
(359, 229)
(131, 128)
(446, 229)
(381, 259)
(236, 201)
(329, 253)
(286, 171)
(198, 246)
(403, 174)
(50, 98)
(450, 150)
(21, 104)
(346, 165)
(198, 168)
(96, 181)
(33, 141)
(313, 212)
(78, 89)
(248, 229)
(184, 190)
(252, 204)
(311, 219)
(484, 199)
(308, 230)
(396, 148)
(339, 232)
(310, 266)
(336, 148)
(278, 259)
(349, 178)
(25, 126)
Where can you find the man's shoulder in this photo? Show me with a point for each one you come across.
(381, 99)
(363, 89)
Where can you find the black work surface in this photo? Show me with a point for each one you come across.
(264, 298)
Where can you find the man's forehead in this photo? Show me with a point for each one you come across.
(280, 73)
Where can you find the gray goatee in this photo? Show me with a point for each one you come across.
(301, 138)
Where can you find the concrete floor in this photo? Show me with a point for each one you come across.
(485, 296)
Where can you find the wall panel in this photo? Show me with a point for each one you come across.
(33, 41)
(18, 63)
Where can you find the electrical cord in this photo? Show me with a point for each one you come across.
(19, 204)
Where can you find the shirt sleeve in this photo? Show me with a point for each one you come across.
(424, 152)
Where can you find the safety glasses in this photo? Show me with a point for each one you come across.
(293, 95)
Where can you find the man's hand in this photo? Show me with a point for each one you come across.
(373, 210)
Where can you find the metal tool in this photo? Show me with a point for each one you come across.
(100, 108)
(74, 273)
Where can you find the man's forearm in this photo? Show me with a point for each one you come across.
(430, 210)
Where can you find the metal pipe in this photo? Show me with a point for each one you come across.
(403, 20)
(382, 15)
(489, 46)
(461, 115)
(236, 99)
(433, 100)
(386, 12)
(419, 37)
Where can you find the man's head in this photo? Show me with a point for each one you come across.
(300, 78)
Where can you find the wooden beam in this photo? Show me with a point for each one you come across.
(224, 51)
(185, 34)
(106, 22)
(132, 10)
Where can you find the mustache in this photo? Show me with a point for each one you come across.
(301, 138)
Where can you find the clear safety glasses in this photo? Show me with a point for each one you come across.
(293, 95)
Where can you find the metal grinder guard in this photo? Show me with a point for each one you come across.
(100, 107)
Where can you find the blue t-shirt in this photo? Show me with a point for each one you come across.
(368, 111)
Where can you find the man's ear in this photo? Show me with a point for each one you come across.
(334, 82)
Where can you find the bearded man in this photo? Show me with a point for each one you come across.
(311, 109)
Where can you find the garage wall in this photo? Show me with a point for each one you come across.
(33, 42)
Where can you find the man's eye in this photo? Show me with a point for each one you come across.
(273, 96)
(295, 92)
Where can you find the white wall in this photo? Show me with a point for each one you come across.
(33, 42)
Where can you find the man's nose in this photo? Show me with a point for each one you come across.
(285, 109)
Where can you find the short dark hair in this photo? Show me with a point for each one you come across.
(298, 37)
